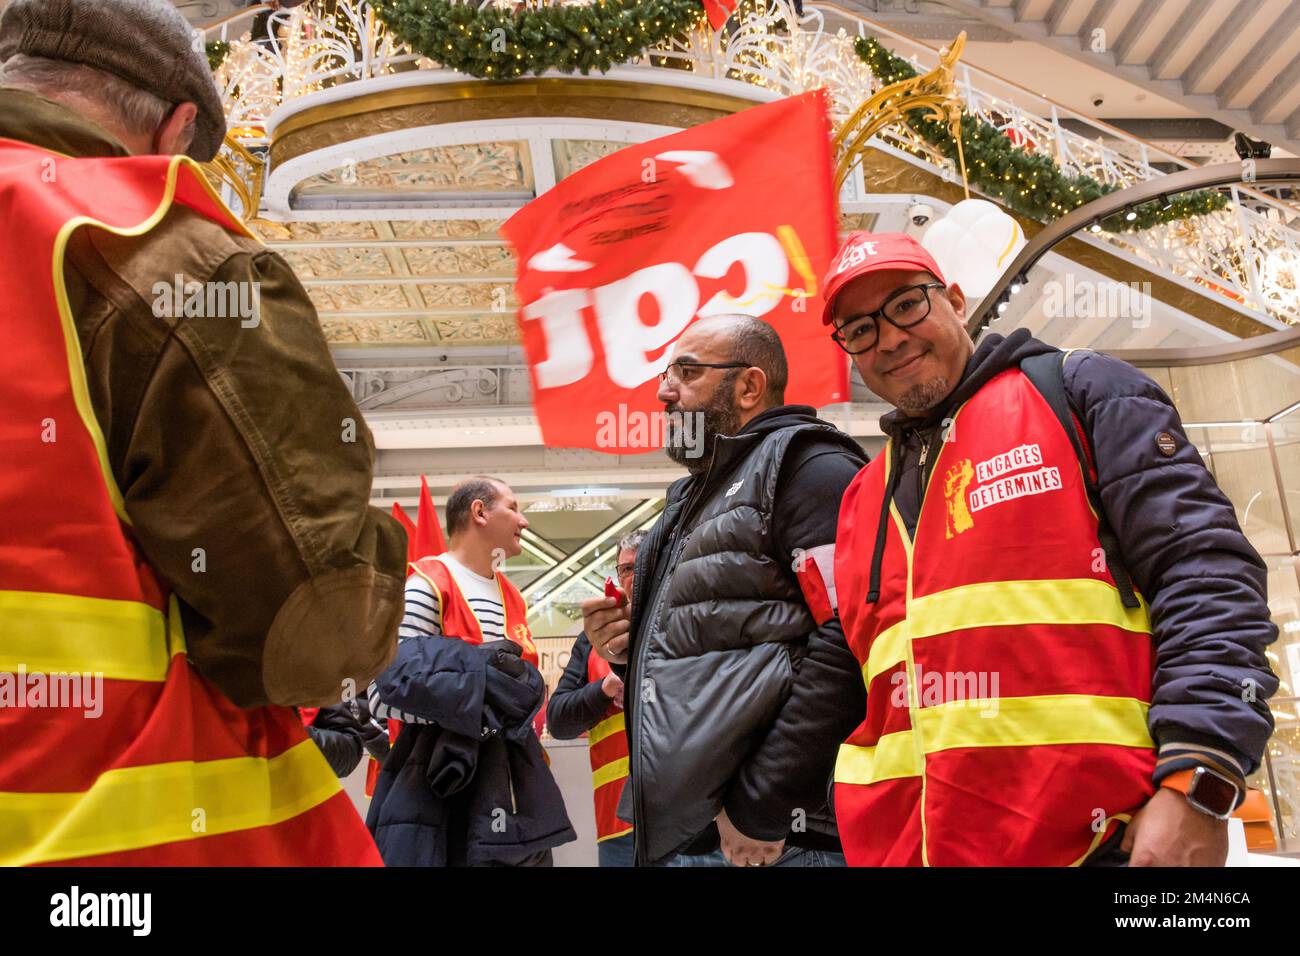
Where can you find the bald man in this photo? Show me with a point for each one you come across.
(739, 686)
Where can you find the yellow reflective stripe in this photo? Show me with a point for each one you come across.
(612, 836)
(893, 756)
(608, 773)
(1034, 721)
(135, 807)
(998, 603)
(607, 727)
(64, 633)
(997, 722)
(888, 650)
(1004, 604)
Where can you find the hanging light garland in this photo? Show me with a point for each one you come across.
(217, 51)
(1026, 182)
(501, 43)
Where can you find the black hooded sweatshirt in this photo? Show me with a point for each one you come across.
(995, 354)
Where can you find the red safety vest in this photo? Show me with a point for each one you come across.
(458, 619)
(1007, 685)
(607, 742)
(169, 772)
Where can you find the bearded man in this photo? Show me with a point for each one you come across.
(735, 666)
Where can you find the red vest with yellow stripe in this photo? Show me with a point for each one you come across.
(1007, 685)
(160, 769)
(458, 619)
(607, 742)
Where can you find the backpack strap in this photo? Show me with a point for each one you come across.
(1046, 372)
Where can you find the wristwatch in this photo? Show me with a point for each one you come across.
(1212, 793)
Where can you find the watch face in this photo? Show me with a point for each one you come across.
(1213, 792)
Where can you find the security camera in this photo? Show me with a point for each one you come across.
(920, 214)
(1098, 100)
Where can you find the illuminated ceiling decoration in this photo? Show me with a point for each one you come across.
(367, 161)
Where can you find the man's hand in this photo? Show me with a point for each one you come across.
(1168, 831)
(740, 850)
(607, 628)
(612, 687)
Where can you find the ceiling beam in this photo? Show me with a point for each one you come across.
(1177, 37)
(1076, 47)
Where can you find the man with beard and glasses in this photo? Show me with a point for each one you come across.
(1041, 535)
(739, 686)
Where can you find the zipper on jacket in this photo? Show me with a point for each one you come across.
(920, 473)
(510, 784)
(634, 739)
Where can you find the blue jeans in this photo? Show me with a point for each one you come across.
(616, 851)
(790, 856)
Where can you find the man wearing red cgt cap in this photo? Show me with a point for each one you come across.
(1060, 624)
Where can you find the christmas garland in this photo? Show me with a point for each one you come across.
(217, 51)
(494, 43)
(1026, 182)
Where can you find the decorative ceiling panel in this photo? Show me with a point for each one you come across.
(274, 232)
(450, 261)
(376, 331)
(572, 155)
(495, 261)
(477, 168)
(359, 298)
(491, 329)
(497, 297)
(446, 228)
(335, 262)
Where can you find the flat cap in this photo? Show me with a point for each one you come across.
(147, 43)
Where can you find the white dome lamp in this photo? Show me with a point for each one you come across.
(973, 244)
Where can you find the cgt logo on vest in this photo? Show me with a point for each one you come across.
(995, 489)
(524, 638)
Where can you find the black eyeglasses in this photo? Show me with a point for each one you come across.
(623, 570)
(905, 308)
(688, 372)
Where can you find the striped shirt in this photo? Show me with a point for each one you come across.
(423, 618)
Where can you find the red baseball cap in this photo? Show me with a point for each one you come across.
(865, 252)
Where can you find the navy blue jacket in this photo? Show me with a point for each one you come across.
(1205, 584)
(577, 704)
(472, 787)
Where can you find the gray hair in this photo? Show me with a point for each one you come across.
(136, 111)
(632, 541)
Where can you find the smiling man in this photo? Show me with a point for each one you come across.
(1039, 524)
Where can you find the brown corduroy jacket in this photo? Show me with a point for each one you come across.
(244, 463)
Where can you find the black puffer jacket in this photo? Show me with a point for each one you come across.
(736, 697)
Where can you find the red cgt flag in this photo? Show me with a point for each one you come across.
(735, 215)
